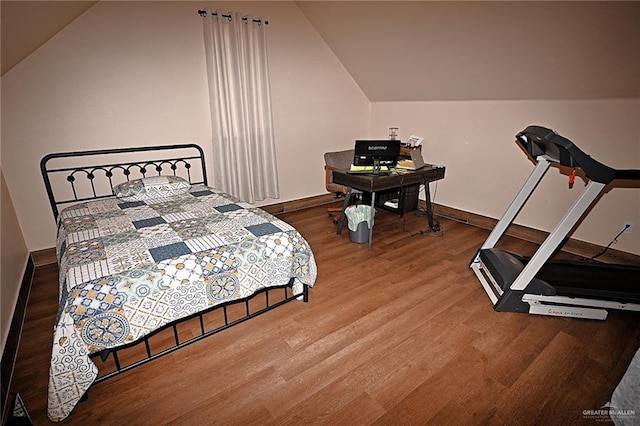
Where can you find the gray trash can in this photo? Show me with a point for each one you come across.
(358, 218)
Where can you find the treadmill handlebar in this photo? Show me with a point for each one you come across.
(538, 140)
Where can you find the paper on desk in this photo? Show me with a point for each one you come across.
(414, 140)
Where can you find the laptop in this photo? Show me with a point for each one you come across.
(416, 162)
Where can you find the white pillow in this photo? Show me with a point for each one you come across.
(151, 187)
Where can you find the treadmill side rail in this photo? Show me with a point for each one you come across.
(579, 301)
(539, 308)
(492, 291)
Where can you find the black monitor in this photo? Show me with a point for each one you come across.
(376, 153)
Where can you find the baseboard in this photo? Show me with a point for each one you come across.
(10, 352)
(302, 203)
(44, 257)
(572, 246)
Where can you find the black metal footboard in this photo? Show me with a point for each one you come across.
(196, 327)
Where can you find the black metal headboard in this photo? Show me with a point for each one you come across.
(71, 177)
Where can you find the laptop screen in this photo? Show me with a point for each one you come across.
(376, 152)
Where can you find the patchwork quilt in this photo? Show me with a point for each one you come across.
(129, 267)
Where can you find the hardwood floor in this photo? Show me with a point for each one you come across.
(402, 334)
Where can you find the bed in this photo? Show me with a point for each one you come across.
(146, 250)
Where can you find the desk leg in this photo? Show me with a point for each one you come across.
(343, 217)
(372, 218)
(427, 193)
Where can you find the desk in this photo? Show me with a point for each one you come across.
(374, 183)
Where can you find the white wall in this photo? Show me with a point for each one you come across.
(133, 73)
(13, 260)
(485, 167)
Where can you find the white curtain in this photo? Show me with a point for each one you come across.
(240, 98)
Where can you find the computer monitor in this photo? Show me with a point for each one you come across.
(376, 153)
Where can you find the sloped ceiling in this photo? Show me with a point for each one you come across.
(27, 25)
(430, 50)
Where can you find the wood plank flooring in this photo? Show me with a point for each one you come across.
(402, 334)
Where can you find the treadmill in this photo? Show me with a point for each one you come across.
(537, 285)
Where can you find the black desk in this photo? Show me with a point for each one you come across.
(375, 183)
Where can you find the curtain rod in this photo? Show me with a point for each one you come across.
(203, 13)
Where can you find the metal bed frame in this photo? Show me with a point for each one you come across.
(87, 182)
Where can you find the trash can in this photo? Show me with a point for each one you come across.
(358, 218)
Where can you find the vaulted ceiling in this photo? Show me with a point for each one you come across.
(480, 50)
(429, 50)
(27, 25)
